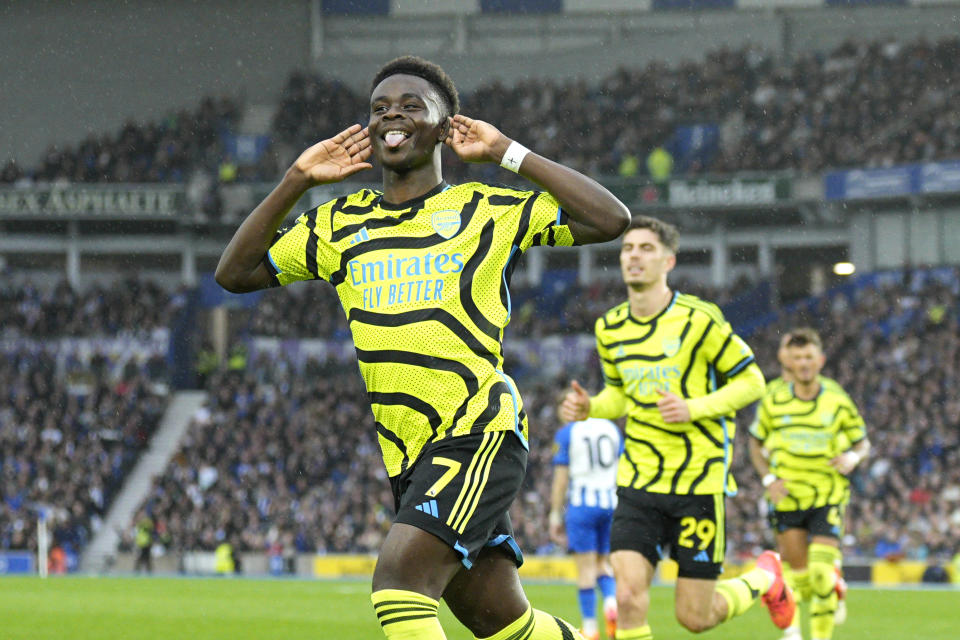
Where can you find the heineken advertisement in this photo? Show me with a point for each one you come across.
(729, 192)
(93, 201)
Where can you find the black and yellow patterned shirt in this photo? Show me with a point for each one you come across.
(802, 436)
(424, 285)
(688, 349)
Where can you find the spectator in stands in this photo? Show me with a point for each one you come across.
(228, 473)
(143, 540)
(659, 164)
(820, 110)
(74, 416)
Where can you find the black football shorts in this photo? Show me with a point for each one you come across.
(460, 489)
(691, 527)
(819, 521)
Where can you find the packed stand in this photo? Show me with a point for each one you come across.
(67, 442)
(83, 384)
(146, 152)
(132, 307)
(286, 455)
(761, 113)
(280, 455)
(822, 110)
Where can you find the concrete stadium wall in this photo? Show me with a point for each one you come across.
(893, 237)
(69, 70)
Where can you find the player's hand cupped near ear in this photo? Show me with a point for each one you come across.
(476, 140)
(336, 158)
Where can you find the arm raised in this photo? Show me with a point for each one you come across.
(241, 267)
(595, 214)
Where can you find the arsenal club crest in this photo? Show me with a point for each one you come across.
(671, 346)
(446, 222)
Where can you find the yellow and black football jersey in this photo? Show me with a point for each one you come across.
(802, 436)
(776, 383)
(424, 285)
(688, 349)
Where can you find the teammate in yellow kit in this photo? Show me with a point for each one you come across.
(422, 269)
(673, 366)
(808, 436)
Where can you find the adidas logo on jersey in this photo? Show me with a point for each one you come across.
(429, 507)
(360, 236)
(701, 557)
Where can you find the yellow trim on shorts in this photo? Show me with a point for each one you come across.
(720, 540)
(475, 480)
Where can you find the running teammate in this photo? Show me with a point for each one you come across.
(808, 436)
(422, 271)
(674, 367)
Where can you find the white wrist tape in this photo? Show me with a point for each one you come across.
(513, 156)
(768, 480)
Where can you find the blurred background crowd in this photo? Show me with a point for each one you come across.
(283, 455)
(745, 109)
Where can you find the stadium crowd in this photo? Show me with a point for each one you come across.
(67, 441)
(83, 384)
(130, 307)
(162, 151)
(820, 110)
(281, 455)
(284, 454)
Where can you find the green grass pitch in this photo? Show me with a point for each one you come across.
(82, 608)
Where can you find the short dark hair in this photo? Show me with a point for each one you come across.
(667, 233)
(802, 336)
(432, 73)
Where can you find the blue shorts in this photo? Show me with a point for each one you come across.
(588, 529)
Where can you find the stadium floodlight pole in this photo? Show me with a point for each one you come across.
(42, 553)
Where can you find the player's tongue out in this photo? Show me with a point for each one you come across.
(394, 138)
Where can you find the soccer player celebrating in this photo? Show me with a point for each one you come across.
(674, 367)
(808, 436)
(422, 270)
(585, 478)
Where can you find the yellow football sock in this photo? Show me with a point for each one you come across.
(637, 633)
(823, 582)
(822, 611)
(741, 592)
(801, 580)
(792, 578)
(537, 625)
(405, 615)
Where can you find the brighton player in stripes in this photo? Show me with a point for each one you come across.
(582, 499)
